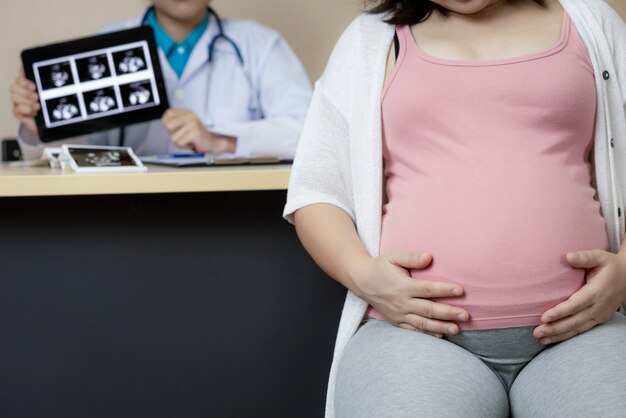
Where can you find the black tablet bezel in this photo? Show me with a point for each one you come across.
(69, 49)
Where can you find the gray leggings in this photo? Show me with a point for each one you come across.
(387, 371)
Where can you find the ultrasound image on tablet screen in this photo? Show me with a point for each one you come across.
(137, 94)
(130, 61)
(96, 83)
(93, 68)
(100, 101)
(56, 75)
(62, 109)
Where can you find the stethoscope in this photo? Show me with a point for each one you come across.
(254, 106)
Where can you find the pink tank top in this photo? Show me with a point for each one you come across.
(487, 169)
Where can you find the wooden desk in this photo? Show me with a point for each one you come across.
(174, 293)
(44, 181)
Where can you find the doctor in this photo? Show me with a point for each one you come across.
(233, 86)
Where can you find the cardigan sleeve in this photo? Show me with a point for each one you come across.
(616, 35)
(322, 165)
(321, 168)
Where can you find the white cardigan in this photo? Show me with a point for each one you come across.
(339, 157)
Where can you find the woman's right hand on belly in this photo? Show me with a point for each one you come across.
(329, 234)
(385, 282)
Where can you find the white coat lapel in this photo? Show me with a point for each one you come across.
(200, 54)
(170, 77)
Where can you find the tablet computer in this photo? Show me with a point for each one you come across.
(97, 159)
(96, 83)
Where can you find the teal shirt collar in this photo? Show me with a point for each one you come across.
(177, 53)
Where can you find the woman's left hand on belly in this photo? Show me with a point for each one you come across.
(592, 304)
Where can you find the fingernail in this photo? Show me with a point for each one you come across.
(540, 334)
(461, 316)
(457, 291)
(451, 330)
(546, 341)
(423, 257)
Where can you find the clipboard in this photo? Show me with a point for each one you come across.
(204, 160)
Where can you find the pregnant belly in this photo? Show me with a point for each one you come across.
(508, 253)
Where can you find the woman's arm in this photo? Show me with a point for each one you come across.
(330, 237)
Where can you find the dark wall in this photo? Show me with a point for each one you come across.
(177, 305)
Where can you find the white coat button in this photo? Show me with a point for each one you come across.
(179, 94)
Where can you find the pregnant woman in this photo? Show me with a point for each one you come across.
(462, 172)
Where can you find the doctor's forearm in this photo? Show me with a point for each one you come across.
(276, 137)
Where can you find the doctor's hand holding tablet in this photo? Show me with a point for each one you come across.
(230, 86)
(25, 101)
